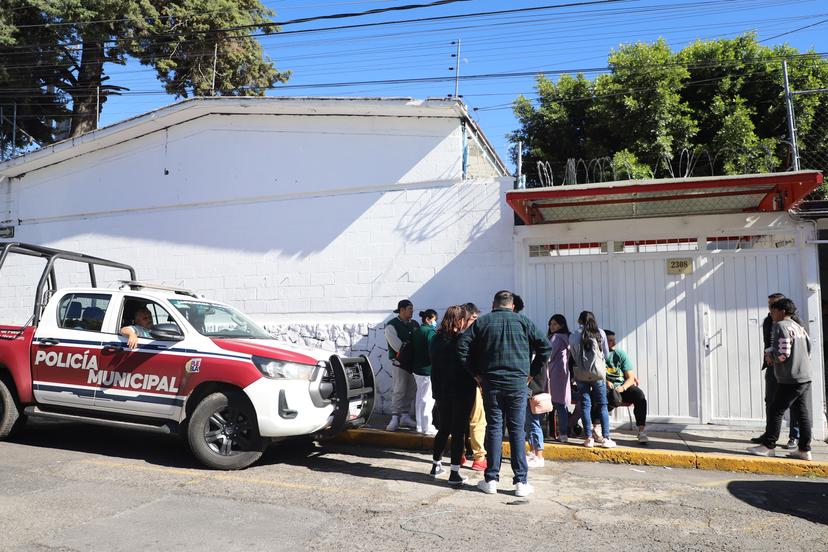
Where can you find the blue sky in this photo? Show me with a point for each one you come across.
(557, 39)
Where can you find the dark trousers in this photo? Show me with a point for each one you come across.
(632, 395)
(454, 413)
(797, 397)
(510, 405)
(770, 391)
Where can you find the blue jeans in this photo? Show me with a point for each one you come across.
(563, 419)
(511, 405)
(534, 431)
(594, 391)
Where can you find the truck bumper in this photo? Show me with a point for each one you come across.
(339, 397)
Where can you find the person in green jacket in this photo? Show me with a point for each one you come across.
(421, 364)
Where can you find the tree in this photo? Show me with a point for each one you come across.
(715, 107)
(54, 53)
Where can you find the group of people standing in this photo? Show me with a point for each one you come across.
(787, 367)
(519, 373)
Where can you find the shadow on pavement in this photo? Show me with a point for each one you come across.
(173, 452)
(316, 458)
(804, 499)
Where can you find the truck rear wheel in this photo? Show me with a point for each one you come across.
(222, 432)
(10, 418)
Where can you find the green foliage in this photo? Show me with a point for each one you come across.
(717, 106)
(53, 55)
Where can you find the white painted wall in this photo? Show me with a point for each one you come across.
(315, 226)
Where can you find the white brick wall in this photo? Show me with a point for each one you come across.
(367, 212)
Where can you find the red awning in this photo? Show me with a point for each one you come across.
(663, 198)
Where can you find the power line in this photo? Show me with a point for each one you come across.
(374, 11)
(264, 25)
(795, 30)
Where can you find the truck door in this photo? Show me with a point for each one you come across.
(144, 381)
(66, 350)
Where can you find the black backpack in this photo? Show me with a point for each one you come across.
(405, 357)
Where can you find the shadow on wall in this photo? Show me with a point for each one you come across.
(296, 227)
(472, 276)
(210, 203)
(806, 500)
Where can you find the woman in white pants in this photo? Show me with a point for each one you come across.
(420, 340)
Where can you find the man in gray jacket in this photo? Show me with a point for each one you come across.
(789, 358)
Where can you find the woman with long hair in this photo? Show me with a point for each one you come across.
(559, 378)
(453, 389)
(589, 344)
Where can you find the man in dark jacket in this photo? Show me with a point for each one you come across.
(502, 344)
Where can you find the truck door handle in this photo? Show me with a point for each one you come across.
(112, 348)
(49, 342)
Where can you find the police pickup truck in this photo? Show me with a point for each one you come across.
(198, 368)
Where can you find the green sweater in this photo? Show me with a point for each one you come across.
(501, 345)
(420, 340)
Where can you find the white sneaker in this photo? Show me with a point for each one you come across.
(488, 487)
(393, 424)
(534, 461)
(589, 442)
(607, 443)
(761, 450)
(523, 489)
(563, 439)
(407, 421)
(642, 437)
(596, 433)
(801, 455)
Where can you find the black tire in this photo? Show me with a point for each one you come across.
(10, 417)
(223, 433)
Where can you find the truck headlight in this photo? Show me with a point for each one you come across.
(279, 369)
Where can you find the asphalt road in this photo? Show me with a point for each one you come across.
(70, 487)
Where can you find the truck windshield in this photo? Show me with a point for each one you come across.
(213, 320)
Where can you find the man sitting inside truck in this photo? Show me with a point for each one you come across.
(140, 328)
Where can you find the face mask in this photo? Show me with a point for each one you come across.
(433, 324)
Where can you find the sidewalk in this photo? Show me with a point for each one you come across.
(696, 447)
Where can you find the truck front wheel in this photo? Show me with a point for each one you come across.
(10, 417)
(222, 432)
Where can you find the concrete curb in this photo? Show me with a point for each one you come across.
(619, 455)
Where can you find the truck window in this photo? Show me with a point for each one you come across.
(158, 313)
(83, 311)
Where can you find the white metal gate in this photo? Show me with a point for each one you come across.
(734, 289)
(695, 339)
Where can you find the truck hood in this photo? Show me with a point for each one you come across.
(272, 348)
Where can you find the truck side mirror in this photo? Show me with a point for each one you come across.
(166, 332)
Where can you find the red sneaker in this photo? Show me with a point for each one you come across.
(463, 462)
(479, 465)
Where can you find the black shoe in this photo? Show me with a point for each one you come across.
(456, 479)
(756, 440)
(437, 469)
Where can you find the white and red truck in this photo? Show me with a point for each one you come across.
(205, 371)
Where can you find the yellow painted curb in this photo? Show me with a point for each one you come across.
(619, 455)
(378, 438)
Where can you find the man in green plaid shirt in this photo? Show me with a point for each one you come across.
(498, 349)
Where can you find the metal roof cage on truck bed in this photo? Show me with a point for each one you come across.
(48, 280)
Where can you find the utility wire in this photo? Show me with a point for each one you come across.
(794, 30)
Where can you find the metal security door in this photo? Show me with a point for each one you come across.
(654, 317)
(735, 286)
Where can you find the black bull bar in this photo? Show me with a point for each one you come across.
(353, 381)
